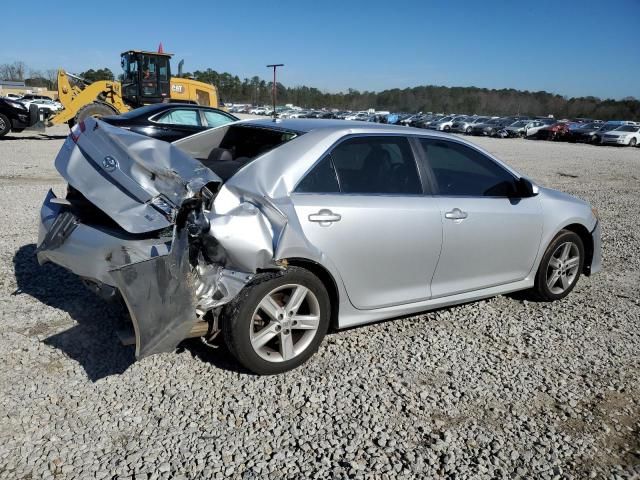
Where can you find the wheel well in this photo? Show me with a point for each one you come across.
(587, 241)
(329, 283)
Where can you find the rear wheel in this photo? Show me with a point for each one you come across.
(5, 125)
(468, 131)
(95, 110)
(278, 321)
(560, 267)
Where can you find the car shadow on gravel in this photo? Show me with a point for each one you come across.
(41, 136)
(93, 342)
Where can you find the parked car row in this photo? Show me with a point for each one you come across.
(43, 102)
(597, 132)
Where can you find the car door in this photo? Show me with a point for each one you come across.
(363, 206)
(177, 123)
(491, 234)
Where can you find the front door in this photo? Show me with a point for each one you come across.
(490, 235)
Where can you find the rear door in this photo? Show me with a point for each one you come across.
(364, 207)
(490, 235)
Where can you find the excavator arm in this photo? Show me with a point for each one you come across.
(75, 97)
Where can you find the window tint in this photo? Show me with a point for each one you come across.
(463, 171)
(376, 165)
(215, 119)
(321, 179)
(180, 117)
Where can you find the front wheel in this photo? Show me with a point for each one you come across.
(278, 321)
(94, 110)
(632, 142)
(5, 125)
(560, 267)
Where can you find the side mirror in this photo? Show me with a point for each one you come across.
(526, 188)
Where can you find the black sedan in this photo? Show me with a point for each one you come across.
(14, 116)
(585, 133)
(171, 121)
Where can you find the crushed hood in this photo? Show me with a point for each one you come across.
(152, 178)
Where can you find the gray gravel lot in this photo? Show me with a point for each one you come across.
(502, 388)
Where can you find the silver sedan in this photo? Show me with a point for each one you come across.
(269, 233)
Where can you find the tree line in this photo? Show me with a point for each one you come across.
(426, 98)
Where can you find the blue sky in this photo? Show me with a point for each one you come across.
(572, 48)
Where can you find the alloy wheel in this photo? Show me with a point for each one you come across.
(284, 323)
(2, 124)
(562, 269)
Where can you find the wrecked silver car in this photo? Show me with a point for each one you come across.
(271, 232)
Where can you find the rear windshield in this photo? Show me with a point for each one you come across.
(241, 144)
(251, 142)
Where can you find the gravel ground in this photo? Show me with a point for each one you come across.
(501, 388)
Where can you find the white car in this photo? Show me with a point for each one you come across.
(258, 111)
(357, 116)
(13, 96)
(628, 135)
(50, 105)
(445, 124)
(531, 128)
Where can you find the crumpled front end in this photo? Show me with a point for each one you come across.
(140, 221)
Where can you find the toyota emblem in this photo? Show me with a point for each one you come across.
(109, 163)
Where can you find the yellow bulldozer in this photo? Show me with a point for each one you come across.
(146, 79)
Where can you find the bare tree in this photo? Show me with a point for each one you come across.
(13, 71)
(52, 77)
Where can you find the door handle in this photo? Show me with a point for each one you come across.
(456, 214)
(325, 217)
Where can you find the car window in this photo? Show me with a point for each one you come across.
(462, 171)
(180, 117)
(321, 179)
(215, 119)
(376, 165)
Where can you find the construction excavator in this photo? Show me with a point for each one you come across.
(146, 79)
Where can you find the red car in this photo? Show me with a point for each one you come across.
(557, 131)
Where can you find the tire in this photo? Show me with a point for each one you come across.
(246, 324)
(468, 131)
(632, 142)
(447, 128)
(5, 125)
(95, 110)
(568, 249)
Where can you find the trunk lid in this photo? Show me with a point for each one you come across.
(140, 182)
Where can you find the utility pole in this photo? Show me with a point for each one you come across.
(273, 91)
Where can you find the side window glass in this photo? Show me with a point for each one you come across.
(215, 119)
(463, 171)
(321, 179)
(180, 117)
(376, 165)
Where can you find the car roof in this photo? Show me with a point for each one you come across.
(335, 125)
